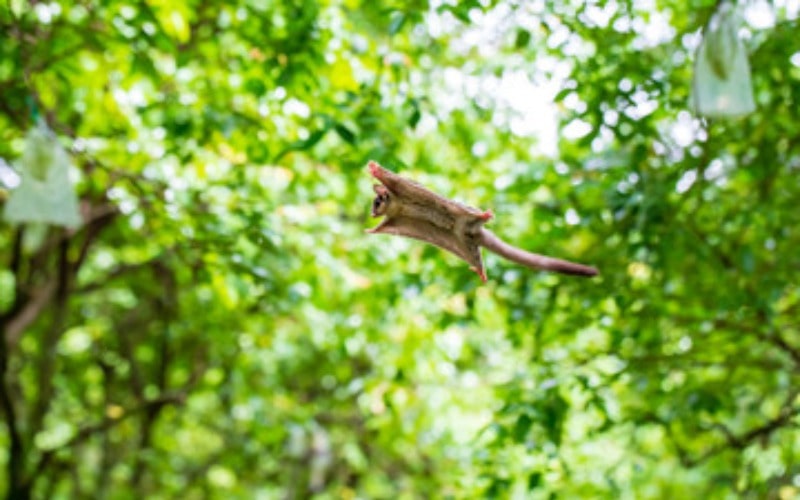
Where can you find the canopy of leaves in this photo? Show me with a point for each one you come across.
(219, 325)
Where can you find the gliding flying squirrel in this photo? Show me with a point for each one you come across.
(412, 211)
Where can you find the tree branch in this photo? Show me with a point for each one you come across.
(16, 460)
(29, 312)
(83, 435)
(165, 306)
(777, 340)
(16, 251)
(732, 441)
(47, 361)
(115, 273)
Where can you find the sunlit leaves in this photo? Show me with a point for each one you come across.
(173, 17)
(7, 291)
(341, 75)
(230, 331)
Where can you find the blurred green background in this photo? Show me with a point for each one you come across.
(221, 327)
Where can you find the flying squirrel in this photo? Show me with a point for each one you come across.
(411, 210)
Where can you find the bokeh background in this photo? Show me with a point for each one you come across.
(219, 325)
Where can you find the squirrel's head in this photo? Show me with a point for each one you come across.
(381, 202)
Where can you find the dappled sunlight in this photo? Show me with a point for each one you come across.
(191, 306)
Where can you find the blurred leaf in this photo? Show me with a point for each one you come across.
(224, 328)
(416, 113)
(522, 39)
(398, 19)
(306, 144)
(173, 18)
(534, 480)
(346, 134)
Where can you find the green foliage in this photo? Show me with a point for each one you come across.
(220, 326)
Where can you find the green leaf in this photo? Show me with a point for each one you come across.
(522, 39)
(255, 86)
(416, 113)
(398, 19)
(522, 427)
(534, 480)
(562, 94)
(345, 133)
(306, 144)
(8, 290)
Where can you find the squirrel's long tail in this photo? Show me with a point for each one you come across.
(532, 260)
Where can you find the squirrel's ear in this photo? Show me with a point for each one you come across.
(379, 189)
